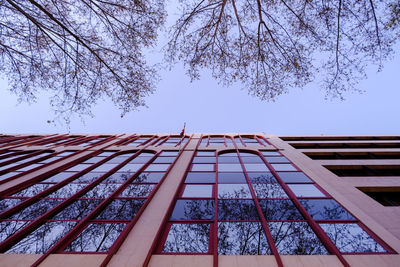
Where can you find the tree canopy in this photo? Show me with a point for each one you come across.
(84, 50)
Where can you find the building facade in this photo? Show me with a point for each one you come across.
(250, 199)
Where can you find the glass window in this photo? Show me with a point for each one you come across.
(242, 238)
(203, 167)
(231, 177)
(78, 210)
(230, 154)
(279, 210)
(59, 177)
(121, 209)
(8, 228)
(149, 177)
(198, 191)
(305, 190)
(193, 210)
(187, 238)
(294, 177)
(169, 153)
(101, 191)
(295, 238)
(157, 167)
(67, 191)
(277, 159)
(200, 177)
(105, 167)
(228, 160)
(7, 203)
(350, 237)
(252, 160)
(32, 190)
(237, 210)
(261, 177)
(43, 238)
(229, 167)
(256, 167)
(118, 177)
(36, 209)
(204, 160)
(205, 153)
(233, 191)
(96, 237)
(269, 191)
(283, 167)
(270, 153)
(79, 167)
(88, 177)
(164, 160)
(131, 167)
(325, 209)
(137, 190)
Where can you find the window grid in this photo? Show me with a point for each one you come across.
(295, 198)
(115, 196)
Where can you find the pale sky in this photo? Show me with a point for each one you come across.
(206, 106)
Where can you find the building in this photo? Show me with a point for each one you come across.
(199, 200)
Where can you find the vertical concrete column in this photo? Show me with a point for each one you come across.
(134, 250)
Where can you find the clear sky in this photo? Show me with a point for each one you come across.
(207, 106)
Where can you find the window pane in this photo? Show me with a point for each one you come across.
(149, 177)
(231, 177)
(229, 167)
(131, 167)
(198, 191)
(242, 238)
(169, 153)
(43, 238)
(231, 154)
(277, 159)
(294, 177)
(261, 177)
(193, 210)
(237, 210)
(78, 209)
(228, 159)
(164, 160)
(118, 177)
(200, 177)
(280, 209)
(252, 160)
(137, 190)
(89, 177)
(269, 191)
(233, 191)
(325, 209)
(157, 167)
(187, 238)
(205, 153)
(204, 160)
(67, 191)
(59, 177)
(8, 228)
(270, 153)
(349, 237)
(101, 191)
(121, 209)
(32, 190)
(283, 167)
(256, 167)
(305, 190)
(8, 203)
(295, 238)
(97, 237)
(203, 167)
(36, 209)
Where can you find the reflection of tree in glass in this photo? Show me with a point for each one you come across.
(242, 238)
(295, 238)
(137, 190)
(101, 191)
(187, 238)
(36, 209)
(325, 209)
(8, 228)
(269, 191)
(237, 209)
(121, 209)
(78, 209)
(8, 203)
(32, 190)
(193, 210)
(265, 177)
(43, 238)
(227, 191)
(279, 209)
(349, 237)
(97, 237)
(67, 190)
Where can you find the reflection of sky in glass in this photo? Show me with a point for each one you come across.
(305, 190)
(295, 238)
(187, 238)
(197, 191)
(349, 237)
(325, 209)
(193, 210)
(269, 191)
(242, 238)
